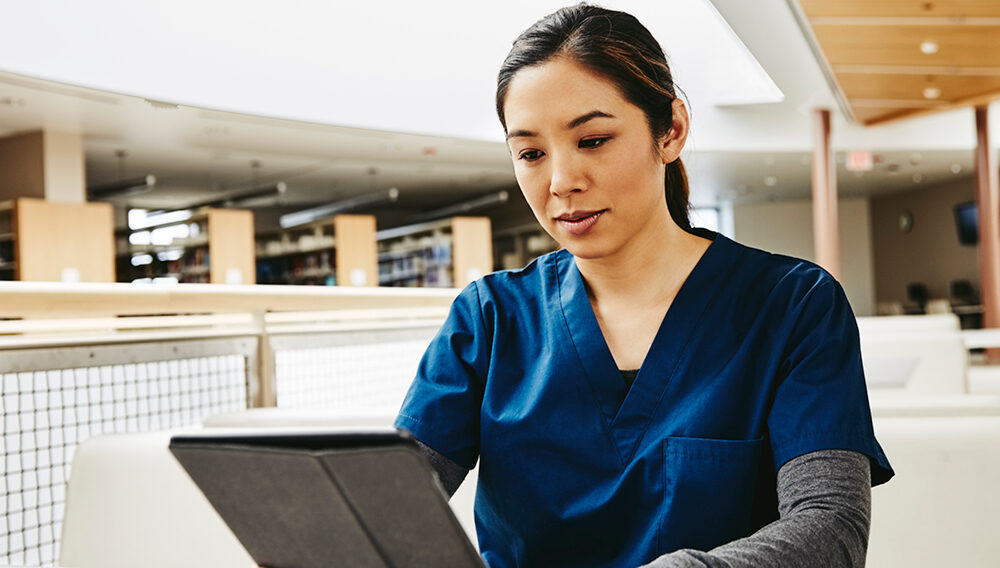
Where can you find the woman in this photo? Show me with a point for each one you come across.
(651, 393)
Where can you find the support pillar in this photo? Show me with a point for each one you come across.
(826, 228)
(988, 207)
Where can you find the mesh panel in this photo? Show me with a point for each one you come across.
(371, 373)
(47, 413)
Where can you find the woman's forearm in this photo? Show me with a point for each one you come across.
(824, 499)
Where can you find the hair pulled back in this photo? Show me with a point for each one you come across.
(618, 47)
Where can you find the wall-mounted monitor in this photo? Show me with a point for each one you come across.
(967, 223)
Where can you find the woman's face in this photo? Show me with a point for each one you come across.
(585, 159)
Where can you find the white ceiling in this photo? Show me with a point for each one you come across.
(422, 67)
(196, 153)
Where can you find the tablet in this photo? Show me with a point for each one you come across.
(303, 499)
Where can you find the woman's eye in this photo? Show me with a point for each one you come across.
(530, 155)
(593, 142)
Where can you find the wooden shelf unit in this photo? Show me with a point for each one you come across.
(337, 251)
(447, 253)
(51, 241)
(220, 250)
(7, 264)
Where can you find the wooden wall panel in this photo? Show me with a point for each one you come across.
(22, 172)
(356, 250)
(55, 241)
(231, 247)
(471, 249)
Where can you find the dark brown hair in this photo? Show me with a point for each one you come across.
(618, 47)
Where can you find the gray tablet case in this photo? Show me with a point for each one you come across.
(304, 500)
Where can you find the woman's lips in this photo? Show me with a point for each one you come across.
(577, 224)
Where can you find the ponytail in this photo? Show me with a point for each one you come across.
(677, 194)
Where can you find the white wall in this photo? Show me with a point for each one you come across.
(786, 227)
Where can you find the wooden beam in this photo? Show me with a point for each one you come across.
(824, 191)
(988, 206)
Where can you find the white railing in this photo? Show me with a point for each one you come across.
(77, 360)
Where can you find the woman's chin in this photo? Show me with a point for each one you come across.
(587, 250)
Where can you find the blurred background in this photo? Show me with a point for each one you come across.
(351, 153)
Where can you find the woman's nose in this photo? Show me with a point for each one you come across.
(566, 177)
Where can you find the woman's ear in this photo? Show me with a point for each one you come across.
(673, 142)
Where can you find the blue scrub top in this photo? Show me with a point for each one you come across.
(757, 361)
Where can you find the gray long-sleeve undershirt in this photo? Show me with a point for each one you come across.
(824, 503)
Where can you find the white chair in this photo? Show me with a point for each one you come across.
(914, 354)
(129, 503)
(938, 306)
(941, 508)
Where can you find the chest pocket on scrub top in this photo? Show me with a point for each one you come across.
(709, 491)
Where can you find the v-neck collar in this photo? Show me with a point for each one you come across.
(628, 411)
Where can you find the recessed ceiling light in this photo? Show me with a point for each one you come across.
(956, 168)
(918, 177)
(770, 181)
(932, 92)
(929, 47)
(915, 159)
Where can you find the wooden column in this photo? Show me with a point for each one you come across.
(988, 206)
(357, 252)
(471, 249)
(826, 233)
(68, 242)
(231, 248)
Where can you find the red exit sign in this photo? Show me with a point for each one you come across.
(860, 161)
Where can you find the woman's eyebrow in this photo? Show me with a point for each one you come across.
(582, 119)
(586, 117)
(520, 134)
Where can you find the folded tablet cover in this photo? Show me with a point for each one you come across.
(318, 500)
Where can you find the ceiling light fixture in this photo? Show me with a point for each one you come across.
(929, 47)
(122, 187)
(932, 92)
(464, 207)
(239, 198)
(307, 216)
(146, 221)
